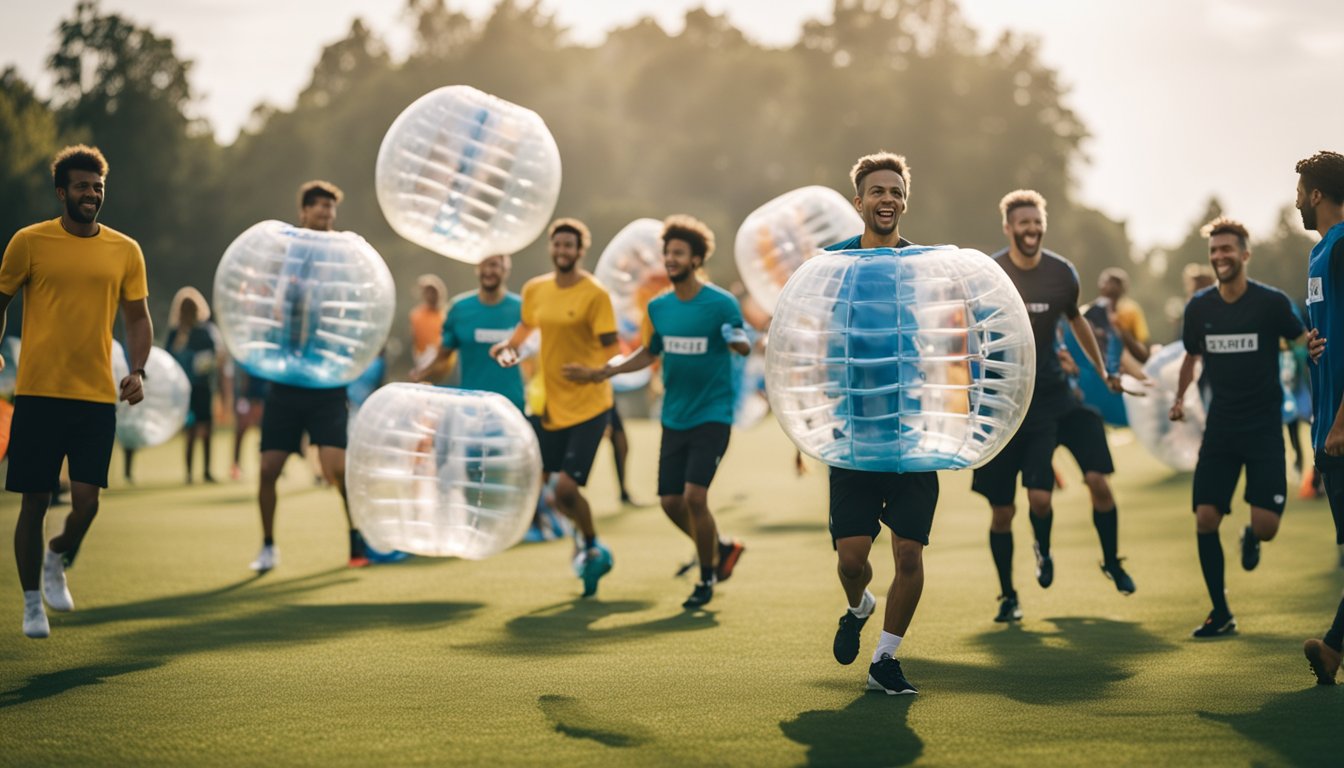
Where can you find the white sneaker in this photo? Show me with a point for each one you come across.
(35, 621)
(267, 559)
(54, 588)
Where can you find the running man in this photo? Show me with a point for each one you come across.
(1235, 327)
(695, 328)
(75, 273)
(574, 314)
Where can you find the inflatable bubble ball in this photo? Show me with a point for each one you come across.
(780, 235)
(900, 360)
(441, 472)
(1174, 443)
(162, 414)
(631, 269)
(303, 307)
(467, 175)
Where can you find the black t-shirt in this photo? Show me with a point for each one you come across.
(1240, 346)
(1049, 291)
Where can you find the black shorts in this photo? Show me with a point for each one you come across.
(1332, 475)
(691, 456)
(1221, 458)
(1029, 452)
(616, 424)
(903, 501)
(1083, 433)
(45, 431)
(571, 450)
(290, 411)
(200, 411)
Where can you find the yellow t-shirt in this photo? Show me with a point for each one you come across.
(1129, 317)
(72, 288)
(570, 320)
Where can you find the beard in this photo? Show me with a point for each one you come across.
(73, 210)
(680, 277)
(565, 268)
(1308, 216)
(1021, 242)
(1234, 270)
(878, 229)
(490, 283)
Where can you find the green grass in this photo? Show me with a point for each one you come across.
(177, 655)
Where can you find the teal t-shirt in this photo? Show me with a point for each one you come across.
(472, 328)
(697, 362)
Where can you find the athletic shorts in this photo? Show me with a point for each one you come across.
(45, 431)
(290, 411)
(1332, 474)
(200, 410)
(861, 502)
(1030, 453)
(1221, 458)
(690, 456)
(1083, 433)
(616, 424)
(571, 450)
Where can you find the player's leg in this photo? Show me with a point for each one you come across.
(1216, 474)
(327, 427)
(997, 482)
(674, 450)
(1266, 492)
(718, 555)
(911, 500)
(1038, 477)
(856, 508)
(1324, 654)
(581, 442)
(620, 451)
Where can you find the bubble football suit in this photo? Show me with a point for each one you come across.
(1174, 443)
(162, 414)
(467, 175)
(303, 307)
(631, 269)
(779, 236)
(906, 360)
(442, 472)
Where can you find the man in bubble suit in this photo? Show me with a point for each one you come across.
(1234, 327)
(65, 399)
(574, 314)
(291, 411)
(695, 329)
(1049, 286)
(861, 502)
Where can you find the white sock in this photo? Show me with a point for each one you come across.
(887, 643)
(866, 605)
(32, 597)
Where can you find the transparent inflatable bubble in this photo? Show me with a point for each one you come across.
(1174, 443)
(303, 307)
(631, 269)
(906, 360)
(162, 414)
(442, 472)
(780, 235)
(467, 175)
(9, 377)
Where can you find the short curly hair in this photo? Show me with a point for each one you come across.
(1226, 226)
(311, 191)
(1021, 198)
(1324, 171)
(78, 157)
(879, 161)
(691, 231)
(573, 226)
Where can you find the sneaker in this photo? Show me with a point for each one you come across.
(235, 473)
(597, 563)
(1009, 610)
(1324, 660)
(704, 592)
(359, 556)
(1250, 549)
(267, 558)
(54, 588)
(35, 622)
(1045, 567)
(846, 646)
(1116, 572)
(885, 675)
(728, 557)
(1216, 626)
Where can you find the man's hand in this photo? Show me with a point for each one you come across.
(504, 354)
(733, 335)
(1067, 362)
(1177, 412)
(1113, 383)
(1315, 345)
(132, 389)
(1334, 440)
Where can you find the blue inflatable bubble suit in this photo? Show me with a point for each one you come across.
(907, 360)
(1174, 443)
(467, 175)
(775, 239)
(442, 472)
(303, 307)
(162, 414)
(1109, 404)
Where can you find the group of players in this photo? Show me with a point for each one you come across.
(76, 273)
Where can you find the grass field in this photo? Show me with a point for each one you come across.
(178, 655)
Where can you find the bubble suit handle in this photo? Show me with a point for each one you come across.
(302, 307)
(900, 360)
(442, 472)
(780, 235)
(467, 175)
(162, 414)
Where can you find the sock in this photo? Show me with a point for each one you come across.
(1001, 546)
(356, 544)
(887, 643)
(1041, 527)
(1107, 524)
(588, 543)
(706, 575)
(268, 541)
(1211, 561)
(1335, 637)
(865, 607)
(32, 597)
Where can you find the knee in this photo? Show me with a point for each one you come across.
(852, 565)
(909, 558)
(1266, 527)
(1207, 519)
(1001, 518)
(35, 504)
(1100, 487)
(1039, 502)
(566, 491)
(697, 501)
(671, 505)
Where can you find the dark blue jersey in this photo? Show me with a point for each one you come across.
(1050, 291)
(1325, 291)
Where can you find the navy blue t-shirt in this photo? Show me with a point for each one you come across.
(1050, 292)
(1325, 291)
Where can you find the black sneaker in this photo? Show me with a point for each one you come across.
(1216, 626)
(1250, 549)
(1009, 610)
(1116, 572)
(885, 675)
(1045, 567)
(847, 637)
(704, 592)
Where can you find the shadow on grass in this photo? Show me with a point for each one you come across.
(1079, 661)
(871, 731)
(568, 627)
(1302, 726)
(574, 719)
(50, 684)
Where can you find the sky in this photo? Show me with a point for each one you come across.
(1185, 99)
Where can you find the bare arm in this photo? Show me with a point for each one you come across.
(1187, 375)
(437, 368)
(506, 352)
(5, 298)
(642, 358)
(139, 340)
